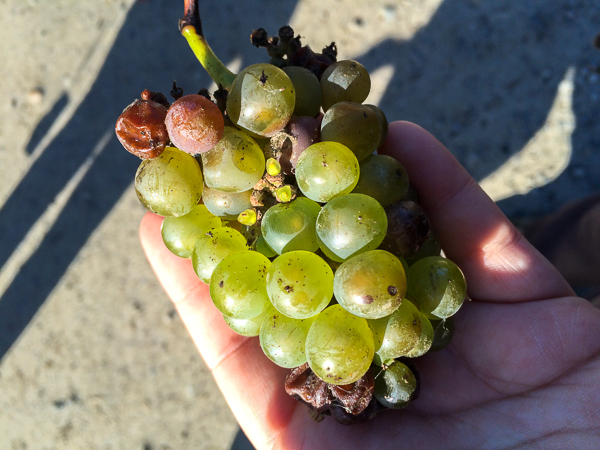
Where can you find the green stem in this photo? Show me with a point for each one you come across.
(191, 29)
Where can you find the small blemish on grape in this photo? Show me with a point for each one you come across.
(392, 290)
(221, 283)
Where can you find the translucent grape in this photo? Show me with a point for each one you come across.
(370, 285)
(398, 333)
(349, 225)
(249, 327)
(263, 247)
(226, 204)
(283, 339)
(383, 178)
(237, 285)
(425, 341)
(213, 247)
(261, 99)
(354, 125)
(396, 386)
(170, 184)
(181, 233)
(383, 123)
(195, 124)
(438, 286)
(344, 81)
(291, 226)
(300, 284)
(339, 346)
(326, 170)
(308, 91)
(235, 164)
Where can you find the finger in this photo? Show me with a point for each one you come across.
(252, 385)
(498, 262)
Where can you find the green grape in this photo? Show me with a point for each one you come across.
(339, 346)
(261, 99)
(213, 247)
(370, 285)
(263, 247)
(395, 387)
(181, 233)
(308, 91)
(443, 331)
(283, 339)
(226, 204)
(383, 123)
(349, 225)
(300, 284)
(326, 170)
(249, 327)
(291, 226)
(237, 285)
(438, 286)
(235, 164)
(344, 81)
(383, 178)
(425, 340)
(397, 334)
(354, 125)
(170, 184)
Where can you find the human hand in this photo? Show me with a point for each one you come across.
(522, 371)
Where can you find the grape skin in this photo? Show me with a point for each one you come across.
(339, 346)
(283, 339)
(213, 247)
(170, 184)
(181, 233)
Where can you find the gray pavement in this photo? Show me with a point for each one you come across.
(92, 353)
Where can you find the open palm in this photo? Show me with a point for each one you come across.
(523, 369)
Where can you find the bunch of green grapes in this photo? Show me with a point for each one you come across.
(304, 234)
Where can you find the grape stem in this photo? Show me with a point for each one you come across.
(191, 29)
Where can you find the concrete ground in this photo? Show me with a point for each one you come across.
(92, 353)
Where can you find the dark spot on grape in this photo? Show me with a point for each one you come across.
(209, 233)
(263, 78)
(367, 299)
(288, 289)
(221, 283)
(392, 290)
(414, 323)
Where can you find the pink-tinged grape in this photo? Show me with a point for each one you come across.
(398, 333)
(213, 247)
(181, 233)
(438, 286)
(300, 284)
(305, 131)
(339, 346)
(249, 327)
(308, 91)
(194, 123)
(370, 285)
(235, 164)
(291, 226)
(408, 228)
(283, 339)
(226, 204)
(261, 99)
(354, 125)
(383, 178)
(238, 287)
(349, 225)
(170, 184)
(344, 81)
(425, 341)
(396, 386)
(326, 170)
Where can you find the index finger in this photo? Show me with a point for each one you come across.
(500, 265)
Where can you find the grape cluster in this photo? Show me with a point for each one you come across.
(306, 237)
